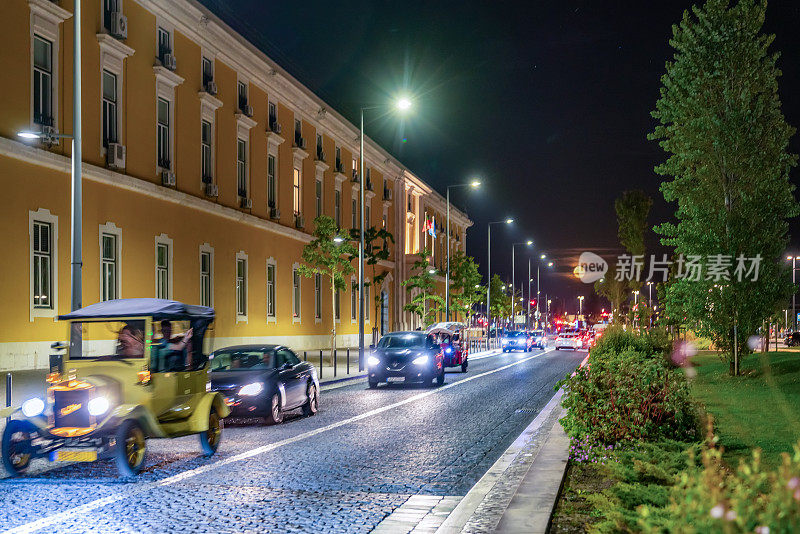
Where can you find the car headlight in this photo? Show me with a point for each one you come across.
(32, 407)
(98, 406)
(373, 361)
(448, 350)
(504, 341)
(420, 360)
(251, 390)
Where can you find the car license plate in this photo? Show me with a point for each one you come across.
(76, 456)
(396, 379)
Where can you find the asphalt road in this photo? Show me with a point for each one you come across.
(342, 470)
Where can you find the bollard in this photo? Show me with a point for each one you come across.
(334, 363)
(8, 395)
(320, 363)
(348, 361)
(305, 356)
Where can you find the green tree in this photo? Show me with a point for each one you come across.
(633, 208)
(465, 288)
(615, 291)
(721, 124)
(500, 300)
(376, 249)
(421, 287)
(330, 259)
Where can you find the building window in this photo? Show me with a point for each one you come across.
(206, 283)
(109, 266)
(320, 149)
(208, 71)
(205, 151)
(297, 199)
(383, 222)
(42, 81)
(163, 134)
(337, 309)
(355, 214)
(337, 208)
(354, 301)
(317, 296)
(318, 197)
(242, 92)
(109, 108)
(298, 131)
(338, 159)
(42, 247)
(241, 167)
(273, 114)
(164, 44)
(241, 286)
(270, 290)
(272, 201)
(296, 293)
(109, 8)
(162, 270)
(366, 216)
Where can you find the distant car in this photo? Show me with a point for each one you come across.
(568, 341)
(792, 339)
(539, 339)
(406, 357)
(516, 340)
(264, 381)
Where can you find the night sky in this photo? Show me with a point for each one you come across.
(547, 102)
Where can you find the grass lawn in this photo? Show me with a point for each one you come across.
(758, 410)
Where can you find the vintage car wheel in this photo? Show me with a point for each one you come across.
(131, 448)
(16, 447)
(275, 416)
(372, 384)
(209, 439)
(311, 407)
(440, 378)
(464, 365)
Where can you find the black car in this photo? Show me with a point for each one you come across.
(406, 357)
(264, 381)
(516, 340)
(539, 339)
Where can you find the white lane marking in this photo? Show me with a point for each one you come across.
(139, 488)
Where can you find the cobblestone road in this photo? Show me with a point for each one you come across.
(344, 470)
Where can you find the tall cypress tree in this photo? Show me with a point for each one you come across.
(721, 124)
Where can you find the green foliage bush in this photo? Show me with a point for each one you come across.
(616, 340)
(634, 394)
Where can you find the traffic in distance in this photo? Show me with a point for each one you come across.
(135, 369)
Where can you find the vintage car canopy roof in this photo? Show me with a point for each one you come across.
(159, 309)
(451, 326)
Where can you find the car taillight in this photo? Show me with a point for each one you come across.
(144, 377)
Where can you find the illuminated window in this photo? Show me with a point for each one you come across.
(42, 81)
(270, 290)
(206, 282)
(297, 198)
(108, 266)
(241, 287)
(42, 267)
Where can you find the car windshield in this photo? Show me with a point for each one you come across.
(515, 334)
(248, 359)
(120, 339)
(537, 333)
(398, 341)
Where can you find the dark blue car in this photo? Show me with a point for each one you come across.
(406, 357)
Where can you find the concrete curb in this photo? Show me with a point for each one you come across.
(485, 506)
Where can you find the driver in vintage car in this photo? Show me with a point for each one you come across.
(171, 351)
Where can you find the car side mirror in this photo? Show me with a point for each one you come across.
(372, 346)
(286, 366)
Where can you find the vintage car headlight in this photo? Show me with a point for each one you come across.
(448, 350)
(32, 407)
(251, 390)
(420, 360)
(98, 406)
(372, 360)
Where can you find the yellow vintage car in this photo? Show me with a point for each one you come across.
(133, 369)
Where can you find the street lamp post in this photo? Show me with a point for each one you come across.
(76, 261)
(474, 184)
(489, 274)
(513, 286)
(402, 104)
(794, 292)
(580, 305)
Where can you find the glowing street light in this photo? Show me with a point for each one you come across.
(474, 184)
(489, 268)
(527, 243)
(403, 103)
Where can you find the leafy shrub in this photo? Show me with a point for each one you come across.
(615, 340)
(628, 395)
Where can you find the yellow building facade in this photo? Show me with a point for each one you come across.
(204, 166)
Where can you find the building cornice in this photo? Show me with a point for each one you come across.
(167, 77)
(49, 10)
(113, 46)
(50, 160)
(209, 100)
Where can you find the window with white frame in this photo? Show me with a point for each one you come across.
(272, 197)
(109, 108)
(241, 91)
(318, 197)
(270, 290)
(353, 301)
(109, 266)
(355, 214)
(42, 267)
(317, 296)
(337, 208)
(164, 134)
(207, 66)
(206, 151)
(241, 167)
(164, 43)
(42, 81)
(110, 8)
(272, 110)
(241, 285)
(296, 293)
(163, 267)
(297, 198)
(206, 281)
